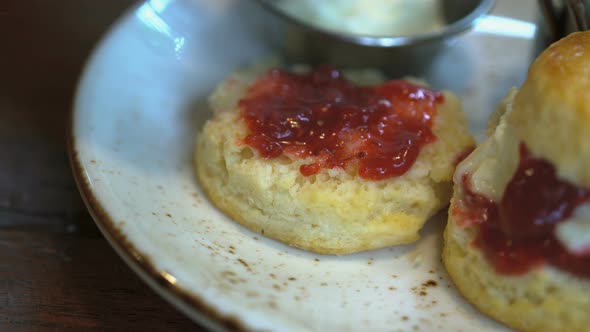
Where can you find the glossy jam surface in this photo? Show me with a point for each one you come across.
(320, 114)
(518, 234)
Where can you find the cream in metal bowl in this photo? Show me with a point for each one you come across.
(368, 17)
(399, 36)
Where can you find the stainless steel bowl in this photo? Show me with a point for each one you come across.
(396, 55)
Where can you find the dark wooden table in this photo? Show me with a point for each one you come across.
(57, 273)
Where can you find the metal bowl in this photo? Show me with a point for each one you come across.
(396, 55)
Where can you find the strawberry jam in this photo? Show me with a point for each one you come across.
(322, 116)
(518, 234)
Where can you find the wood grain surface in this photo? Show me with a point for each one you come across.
(57, 273)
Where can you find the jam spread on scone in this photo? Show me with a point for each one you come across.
(518, 233)
(322, 116)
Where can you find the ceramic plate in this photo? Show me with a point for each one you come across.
(139, 105)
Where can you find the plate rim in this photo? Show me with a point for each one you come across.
(137, 261)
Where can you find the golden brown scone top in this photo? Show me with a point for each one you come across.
(552, 109)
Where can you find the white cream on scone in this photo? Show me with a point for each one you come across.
(574, 233)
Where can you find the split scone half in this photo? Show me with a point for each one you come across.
(327, 161)
(517, 244)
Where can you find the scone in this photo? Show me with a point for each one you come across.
(517, 244)
(323, 164)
